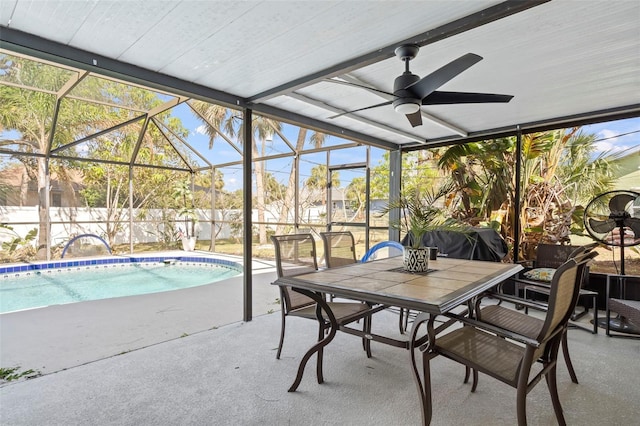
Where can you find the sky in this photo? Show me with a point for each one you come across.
(616, 136)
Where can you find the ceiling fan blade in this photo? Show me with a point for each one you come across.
(618, 203)
(415, 119)
(427, 85)
(445, 98)
(602, 226)
(361, 109)
(634, 224)
(362, 86)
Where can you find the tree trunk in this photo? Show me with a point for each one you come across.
(44, 230)
(292, 185)
(259, 168)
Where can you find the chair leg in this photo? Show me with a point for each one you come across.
(367, 330)
(467, 373)
(595, 314)
(521, 404)
(553, 390)
(567, 358)
(401, 321)
(281, 334)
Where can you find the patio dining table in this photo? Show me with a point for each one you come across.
(448, 283)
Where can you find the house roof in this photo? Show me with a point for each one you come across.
(564, 62)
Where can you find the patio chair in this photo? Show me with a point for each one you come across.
(509, 356)
(296, 254)
(536, 280)
(524, 324)
(339, 248)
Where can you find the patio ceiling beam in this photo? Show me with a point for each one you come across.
(38, 47)
(321, 126)
(442, 32)
(583, 119)
(32, 45)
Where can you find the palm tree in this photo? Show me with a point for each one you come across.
(318, 181)
(558, 174)
(216, 117)
(317, 139)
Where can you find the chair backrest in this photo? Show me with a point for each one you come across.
(295, 254)
(383, 244)
(554, 255)
(561, 297)
(339, 248)
(582, 249)
(564, 292)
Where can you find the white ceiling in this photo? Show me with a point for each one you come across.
(563, 58)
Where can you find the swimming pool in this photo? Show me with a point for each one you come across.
(38, 285)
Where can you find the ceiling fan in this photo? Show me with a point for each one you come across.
(410, 91)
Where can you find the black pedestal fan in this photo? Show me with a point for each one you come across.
(613, 219)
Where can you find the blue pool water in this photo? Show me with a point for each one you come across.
(68, 283)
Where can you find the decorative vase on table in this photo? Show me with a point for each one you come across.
(416, 259)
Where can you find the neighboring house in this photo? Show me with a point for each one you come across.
(629, 170)
(20, 191)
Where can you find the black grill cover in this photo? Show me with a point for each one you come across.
(478, 244)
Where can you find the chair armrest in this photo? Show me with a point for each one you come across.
(527, 281)
(515, 300)
(493, 329)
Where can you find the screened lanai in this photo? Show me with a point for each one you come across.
(147, 101)
(135, 165)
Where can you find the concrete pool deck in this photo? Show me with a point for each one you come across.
(123, 362)
(92, 330)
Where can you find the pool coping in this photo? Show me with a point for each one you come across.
(16, 270)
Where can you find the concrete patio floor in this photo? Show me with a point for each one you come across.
(123, 362)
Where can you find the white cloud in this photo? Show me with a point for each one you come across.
(609, 142)
(202, 129)
(231, 184)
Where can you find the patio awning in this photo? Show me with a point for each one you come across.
(564, 62)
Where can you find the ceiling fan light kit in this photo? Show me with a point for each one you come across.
(406, 108)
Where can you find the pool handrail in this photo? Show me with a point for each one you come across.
(64, 251)
(380, 245)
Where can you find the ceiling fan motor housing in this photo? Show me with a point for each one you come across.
(402, 95)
